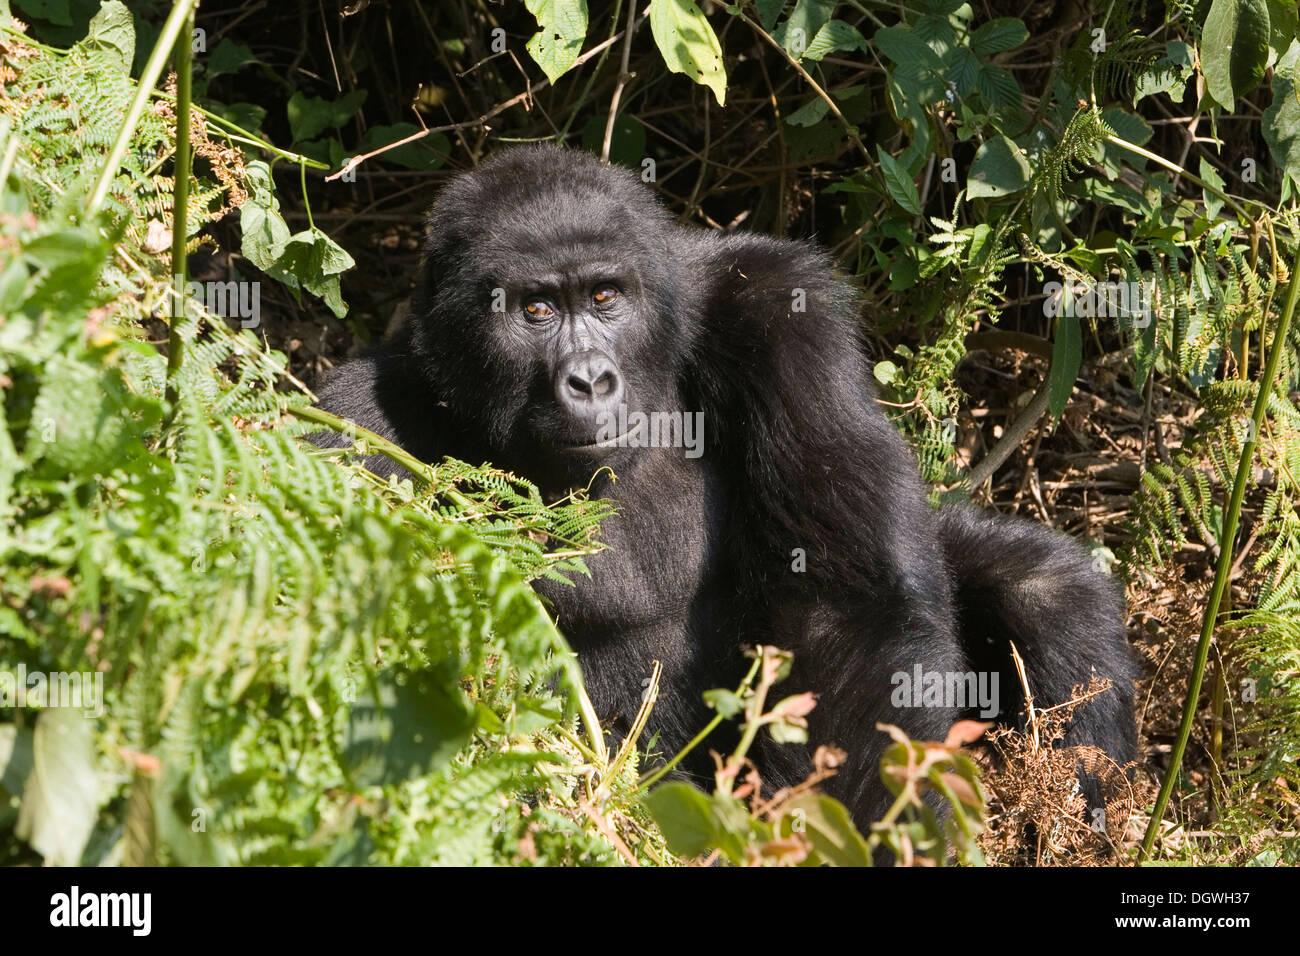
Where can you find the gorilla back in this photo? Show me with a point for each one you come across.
(558, 304)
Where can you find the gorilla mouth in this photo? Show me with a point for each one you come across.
(607, 444)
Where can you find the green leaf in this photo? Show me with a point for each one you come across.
(309, 116)
(906, 49)
(835, 37)
(229, 57)
(1004, 33)
(685, 815)
(900, 185)
(886, 372)
(556, 47)
(810, 114)
(421, 726)
(1234, 48)
(317, 260)
(998, 87)
(1211, 175)
(60, 800)
(828, 827)
(724, 702)
(999, 169)
(688, 44)
(1281, 121)
(784, 732)
(804, 23)
(1283, 22)
(112, 32)
(265, 233)
(768, 11)
(1067, 356)
(1168, 74)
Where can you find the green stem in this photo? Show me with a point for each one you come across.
(651, 779)
(379, 445)
(1224, 566)
(1174, 167)
(180, 207)
(182, 12)
(306, 203)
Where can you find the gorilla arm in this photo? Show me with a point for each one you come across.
(816, 466)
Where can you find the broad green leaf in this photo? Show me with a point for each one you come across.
(999, 169)
(904, 47)
(310, 116)
(59, 803)
(998, 87)
(557, 45)
(317, 260)
(112, 32)
(265, 233)
(688, 44)
(685, 815)
(1234, 48)
(229, 57)
(1283, 22)
(1067, 356)
(1004, 33)
(835, 37)
(900, 185)
(810, 114)
(804, 23)
(963, 70)
(1281, 121)
(768, 11)
(885, 372)
(829, 828)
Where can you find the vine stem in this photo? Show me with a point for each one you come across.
(182, 12)
(1223, 569)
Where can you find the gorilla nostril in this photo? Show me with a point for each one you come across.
(587, 384)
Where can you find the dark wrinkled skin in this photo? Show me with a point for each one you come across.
(797, 456)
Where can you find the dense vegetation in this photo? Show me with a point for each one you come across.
(1076, 229)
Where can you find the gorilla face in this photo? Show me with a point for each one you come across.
(523, 301)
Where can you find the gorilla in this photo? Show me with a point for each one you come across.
(562, 313)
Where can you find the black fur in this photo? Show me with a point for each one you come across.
(797, 456)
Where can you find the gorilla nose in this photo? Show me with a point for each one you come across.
(587, 385)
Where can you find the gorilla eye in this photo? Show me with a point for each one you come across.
(538, 309)
(604, 294)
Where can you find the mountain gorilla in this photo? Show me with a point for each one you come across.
(558, 299)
